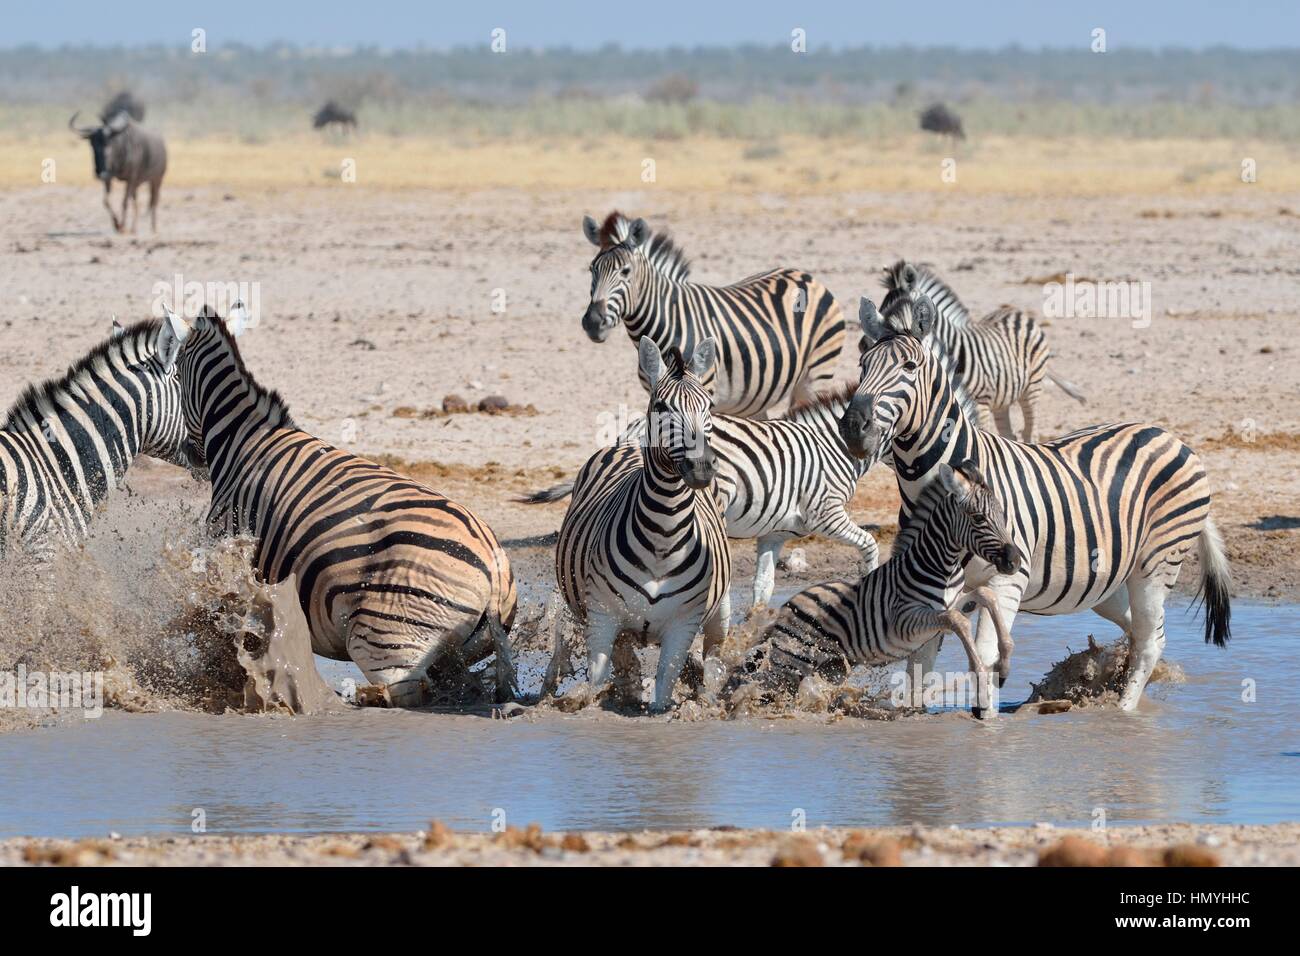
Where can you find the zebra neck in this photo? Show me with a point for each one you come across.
(943, 434)
(234, 414)
(91, 447)
(933, 555)
(647, 316)
(662, 486)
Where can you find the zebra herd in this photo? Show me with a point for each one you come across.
(745, 435)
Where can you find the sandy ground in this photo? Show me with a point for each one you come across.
(375, 305)
(1044, 845)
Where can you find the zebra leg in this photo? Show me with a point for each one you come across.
(1115, 609)
(920, 663)
(627, 672)
(987, 635)
(602, 629)
(835, 523)
(987, 598)
(1027, 402)
(1002, 416)
(769, 549)
(715, 632)
(955, 621)
(506, 676)
(1147, 601)
(675, 644)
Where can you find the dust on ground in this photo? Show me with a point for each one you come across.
(1173, 845)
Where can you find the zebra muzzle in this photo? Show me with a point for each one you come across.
(596, 323)
(1009, 559)
(861, 435)
(698, 471)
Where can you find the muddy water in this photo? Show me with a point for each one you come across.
(1195, 752)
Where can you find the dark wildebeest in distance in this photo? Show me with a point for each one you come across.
(331, 114)
(124, 101)
(939, 119)
(128, 152)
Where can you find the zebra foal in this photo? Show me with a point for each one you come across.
(906, 602)
(390, 574)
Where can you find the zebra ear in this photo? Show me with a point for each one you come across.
(954, 482)
(923, 316)
(873, 327)
(909, 276)
(237, 321)
(171, 336)
(639, 234)
(969, 470)
(651, 362)
(118, 331)
(591, 229)
(703, 358)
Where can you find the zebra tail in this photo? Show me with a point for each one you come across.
(1068, 387)
(1216, 583)
(547, 495)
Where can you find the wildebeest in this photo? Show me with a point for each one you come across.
(128, 152)
(937, 118)
(124, 100)
(331, 114)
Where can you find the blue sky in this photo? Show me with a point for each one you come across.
(1250, 24)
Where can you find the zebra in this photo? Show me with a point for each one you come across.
(1002, 358)
(390, 574)
(1105, 515)
(908, 601)
(642, 548)
(67, 443)
(779, 333)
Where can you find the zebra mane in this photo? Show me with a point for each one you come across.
(666, 257)
(827, 398)
(933, 495)
(900, 288)
(35, 398)
(279, 409)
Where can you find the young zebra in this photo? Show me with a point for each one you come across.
(643, 548)
(907, 601)
(779, 333)
(390, 574)
(65, 444)
(777, 479)
(1002, 358)
(1105, 515)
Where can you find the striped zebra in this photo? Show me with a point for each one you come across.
(1002, 358)
(779, 333)
(390, 574)
(906, 602)
(1105, 515)
(66, 443)
(642, 548)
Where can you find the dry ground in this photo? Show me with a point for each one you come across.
(1161, 845)
(376, 303)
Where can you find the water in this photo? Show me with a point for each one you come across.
(1195, 753)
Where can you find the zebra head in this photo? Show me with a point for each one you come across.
(897, 372)
(979, 522)
(617, 273)
(679, 420)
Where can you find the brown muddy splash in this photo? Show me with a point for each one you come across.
(182, 625)
(1095, 676)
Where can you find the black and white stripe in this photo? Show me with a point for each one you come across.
(642, 548)
(390, 574)
(65, 444)
(908, 601)
(1002, 358)
(1105, 515)
(779, 333)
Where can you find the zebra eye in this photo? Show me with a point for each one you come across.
(626, 271)
(661, 407)
(909, 366)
